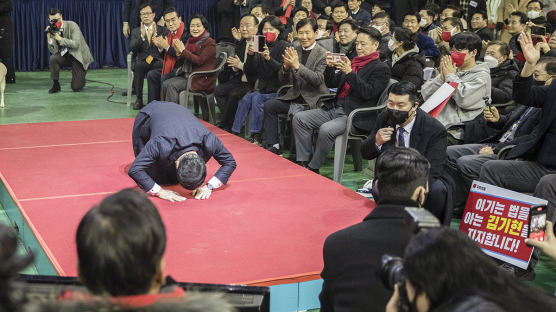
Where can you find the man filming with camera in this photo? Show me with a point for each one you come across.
(68, 49)
(352, 255)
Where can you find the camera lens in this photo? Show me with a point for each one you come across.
(391, 271)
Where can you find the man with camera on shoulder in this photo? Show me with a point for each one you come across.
(68, 49)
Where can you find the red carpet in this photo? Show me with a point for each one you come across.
(269, 223)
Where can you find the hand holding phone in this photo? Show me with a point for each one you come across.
(537, 223)
(548, 246)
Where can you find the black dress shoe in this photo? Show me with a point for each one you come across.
(10, 79)
(138, 104)
(125, 92)
(55, 88)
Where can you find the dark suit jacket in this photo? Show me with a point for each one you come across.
(130, 13)
(542, 146)
(409, 68)
(365, 88)
(484, 33)
(352, 257)
(141, 48)
(230, 74)
(171, 51)
(363, 17)
(162, 132)
(428, 136)
(267, 71)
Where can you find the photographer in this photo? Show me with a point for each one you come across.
(68, 48)
(353, 255)
(446, 271)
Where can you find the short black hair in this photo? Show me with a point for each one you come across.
(120, 243)
(522, 16)
(54, 11)
(503, 47)
(457, 10)
(456, 22)
(191, 171)
(406, 87)
(337, 4)
(203, 19)
(550, 66)
(382, 15)
(417, 15)
(432, 9)
(353, 23)
(538, 1)
(372, 32)
(399, 171)
(406, 37)
(383, 5)
(467, 40)
(274, 22)
(305, 21)
(251, 15)
(483, 14)
(329, 23)
(171, 10)
(265, 9)
(144, 5)
(301, 9)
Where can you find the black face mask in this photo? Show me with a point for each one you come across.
(397, 116)
(538, 83)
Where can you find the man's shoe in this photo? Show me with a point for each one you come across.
(275, 150)
(138, 104)
(10, 79)
(55, 88)
(317, 171)
(125, 92)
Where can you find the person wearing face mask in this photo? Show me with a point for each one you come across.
(449, 26)
(324, 33)
(473, 81)
(534, 9)
(502, 71)
(265, 65)
(427, 20)
(347, 33)
(352, 255)
(381, 22)
(407, 63)
(445, 270)
(404, 124)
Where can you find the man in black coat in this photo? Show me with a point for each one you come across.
(171, 145)
(352, 256)
(6, 39)
(404, 124)
(147, 54)
(360, 83)
(130, 13)
(502, 71)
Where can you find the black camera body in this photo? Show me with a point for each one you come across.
(54, 27)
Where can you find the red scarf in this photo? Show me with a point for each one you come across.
(284, 18)
(190, 46)
(356, 64)
(170, 61)
(334, 27)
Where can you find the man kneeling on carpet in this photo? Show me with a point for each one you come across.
(171, 145)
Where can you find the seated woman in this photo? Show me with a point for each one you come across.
(265, 65)
(407, 64)
(447, 271)
(198, 54)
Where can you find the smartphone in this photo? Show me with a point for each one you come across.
(538, 31)
(336, 57)
(258, 43)
(488, 103)
(537, 222)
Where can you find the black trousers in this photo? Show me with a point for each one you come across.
(273, 108)
(139, 74)
(6, 45)
(154, 82)
(227, 96)
(78, 73)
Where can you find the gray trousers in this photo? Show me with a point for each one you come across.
(330, 123)
(172, 87)
(78, 73)
(546, 189)
(464, 165)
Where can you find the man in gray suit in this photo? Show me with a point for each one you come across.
(68, 48)
(303, 68)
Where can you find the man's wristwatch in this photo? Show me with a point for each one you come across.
(209, 186)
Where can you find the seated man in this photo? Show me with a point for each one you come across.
(339, 13)
(148, 56)
(361, 16)
(502, 71)
(352, 255)
(325, 37)
(479, 26)
(68, 49)
(473, 82)
(381, 22)
(120, 250)
(360, 83)
(347, 33)
(404, 124)
(171, 146)
(303, 67)
(428, 17)
(517, 23)
(448, 28)
(425, 43)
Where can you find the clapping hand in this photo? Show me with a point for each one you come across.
(291, 58)
(178, 46)
(236, 34)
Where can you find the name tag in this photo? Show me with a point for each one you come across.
(149, 59)
(473, 4)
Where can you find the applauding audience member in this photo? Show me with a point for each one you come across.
(407, 63)
(479, 25)
(361, 16)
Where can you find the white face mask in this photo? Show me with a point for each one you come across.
(321, 34)
(391, 44)
(379, 28)
(491, 61)
(533, 14)
(423, 23)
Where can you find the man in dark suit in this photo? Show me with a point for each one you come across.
(352, 255)
(171, 145)
(148, 56)
(303, 68)
(362, 16)
(359, 82)
(130, 13)
(404, 124)
(538, 150)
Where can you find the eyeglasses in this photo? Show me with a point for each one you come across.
(146, 14)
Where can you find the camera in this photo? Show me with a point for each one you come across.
(55, 27)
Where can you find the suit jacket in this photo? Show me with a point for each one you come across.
(308, 80)
(542, 146)
(363, 17)
(365, 88)
(204, 58)
(164, 131)
(130, 13)
(352, 257)
(72, 38)
(428, 136)
(141, 48)
(426, 46)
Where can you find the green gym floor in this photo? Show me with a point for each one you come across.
(28, 101)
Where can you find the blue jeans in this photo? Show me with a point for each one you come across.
(252, 101)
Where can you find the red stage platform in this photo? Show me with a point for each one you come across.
(267, 226)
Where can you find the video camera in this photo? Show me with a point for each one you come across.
(55, 27)
(391, 271)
